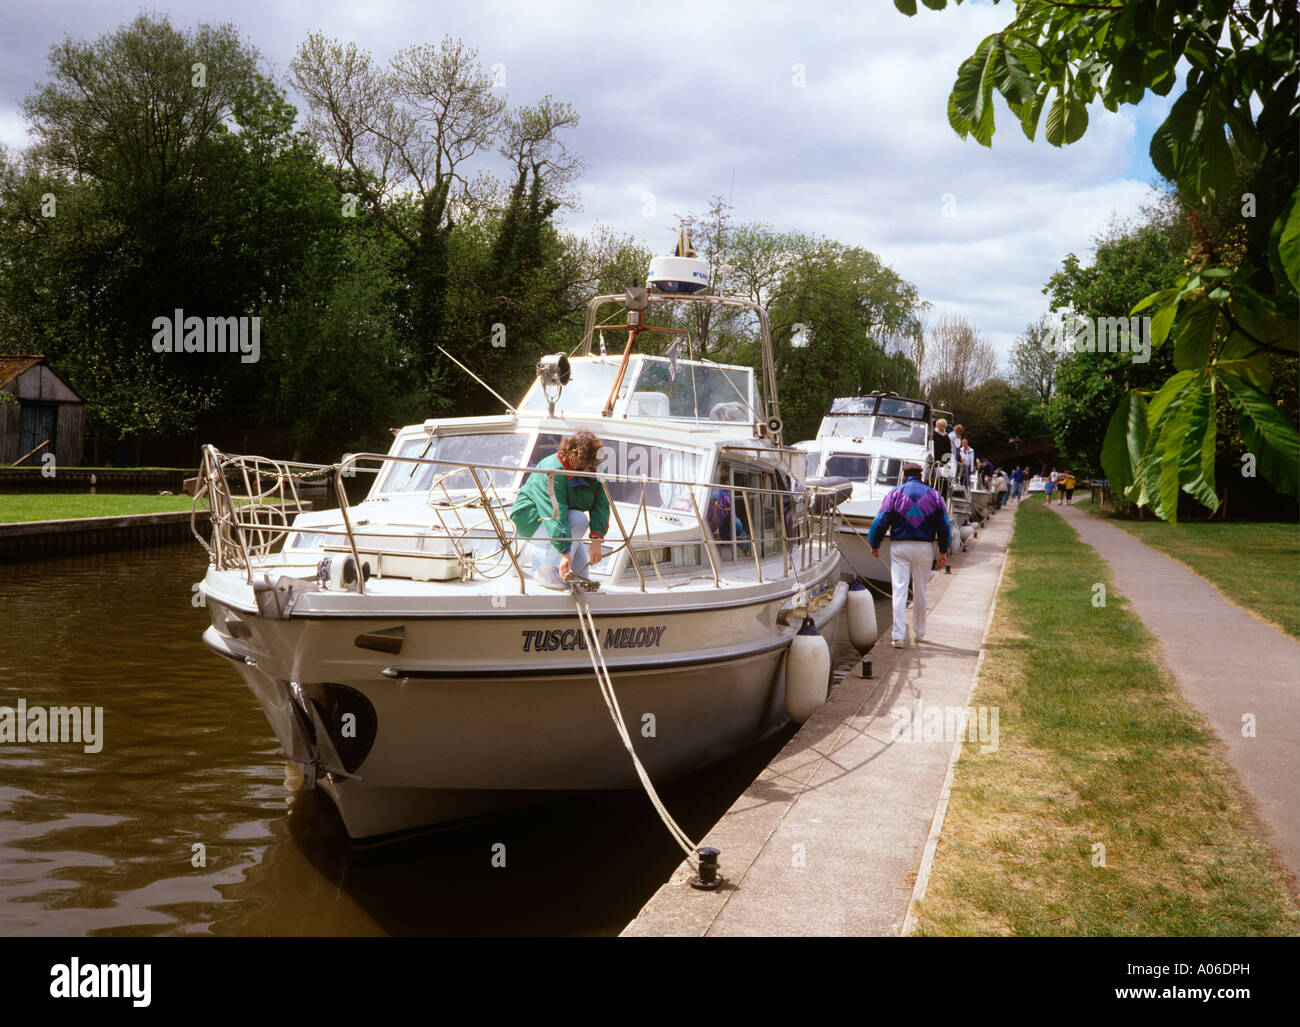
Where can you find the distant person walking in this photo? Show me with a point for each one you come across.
(967, 458)
(1065, 484)
(1017, 483)
(914, 515)
(1049, 486)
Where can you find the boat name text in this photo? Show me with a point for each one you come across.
(615, 638)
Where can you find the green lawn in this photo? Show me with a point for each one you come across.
(1255, 565)
(1105, 809)
(51, 506)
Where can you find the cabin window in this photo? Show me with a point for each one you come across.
(741, 519)
(664, 470)
(889, 472)
(849, 465)
(907, 432)
(503, 448)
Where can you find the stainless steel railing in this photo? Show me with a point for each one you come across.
(247, 526)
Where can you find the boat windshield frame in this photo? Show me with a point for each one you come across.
(771, 404)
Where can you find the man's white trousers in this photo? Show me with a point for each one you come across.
(909, 559)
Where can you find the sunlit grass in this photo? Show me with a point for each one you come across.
(54, 506)
(57, 506)
(1105, 809)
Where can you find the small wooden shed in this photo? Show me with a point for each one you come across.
(48, 416)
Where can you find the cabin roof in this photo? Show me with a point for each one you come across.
(14, 364)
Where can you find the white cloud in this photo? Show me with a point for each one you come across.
(677, 97)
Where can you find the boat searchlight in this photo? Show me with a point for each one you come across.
(554, 373)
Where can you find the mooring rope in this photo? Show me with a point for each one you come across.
(611, 703)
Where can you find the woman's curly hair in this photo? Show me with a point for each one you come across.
(579, 450)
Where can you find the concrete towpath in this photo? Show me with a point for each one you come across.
(1239, 671)
(830, 838)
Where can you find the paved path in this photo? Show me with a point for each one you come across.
(1227, 662)
(829, 839)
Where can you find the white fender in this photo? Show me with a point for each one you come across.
(807, 673)
(863, 631)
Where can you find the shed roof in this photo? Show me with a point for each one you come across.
(14, 364)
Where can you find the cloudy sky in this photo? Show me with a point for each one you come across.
(823, 117)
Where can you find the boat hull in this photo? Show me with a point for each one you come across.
(483, 729)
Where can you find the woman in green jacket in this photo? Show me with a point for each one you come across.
(555, 511)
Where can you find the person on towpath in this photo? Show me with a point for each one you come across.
(554, 511)
(914, 515)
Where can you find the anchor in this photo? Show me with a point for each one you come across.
(324, 758)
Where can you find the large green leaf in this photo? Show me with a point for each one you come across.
(1196, 453)
(1284, 245)
(1030, 112)
(1067, 119)
(1126, 437)
(1255, 370)
(1267, 433)
(908, 7)
(1012, 78)
(1194, 335)
(1179, 453)
(970, 104)
(1168, 391)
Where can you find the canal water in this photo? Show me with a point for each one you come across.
(110, 842)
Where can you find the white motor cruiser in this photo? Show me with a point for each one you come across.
(408, 661)
(867, 440)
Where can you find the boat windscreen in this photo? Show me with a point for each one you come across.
(849, 465)
(853, 405)
(698, 391)
(586, 393)
(845, 427)
(505, 448)
(895, 430)
(890, 407)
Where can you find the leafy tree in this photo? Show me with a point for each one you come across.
(179, 183)
(1234, 307)
(1034, 358)
(1130, 261)
(417, 129)
(847, 304)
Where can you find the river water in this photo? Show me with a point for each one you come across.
(105, 843)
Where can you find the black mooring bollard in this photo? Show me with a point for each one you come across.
(866, 669)
(708, 879)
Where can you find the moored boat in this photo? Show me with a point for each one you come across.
(409, 661)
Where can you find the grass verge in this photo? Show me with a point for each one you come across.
(1256, 565)
(1105, 809)
(55, 506)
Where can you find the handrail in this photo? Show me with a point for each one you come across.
(234, 523)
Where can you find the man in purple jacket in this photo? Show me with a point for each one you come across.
(914, 515)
